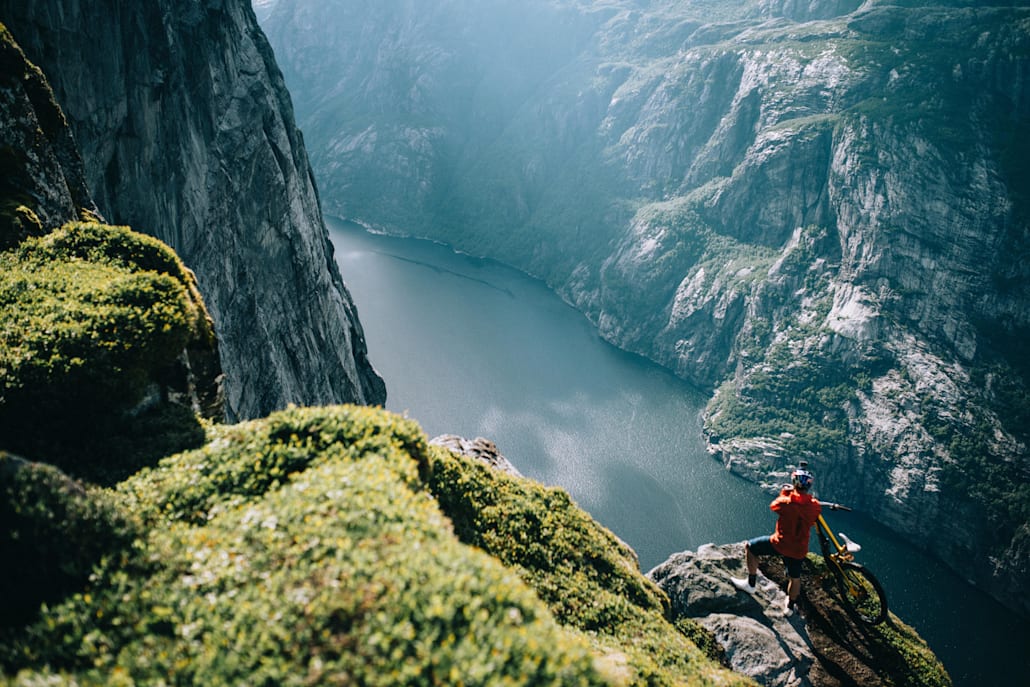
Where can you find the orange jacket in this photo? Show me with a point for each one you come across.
(798, 512)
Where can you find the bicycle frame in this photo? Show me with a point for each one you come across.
(842, 552)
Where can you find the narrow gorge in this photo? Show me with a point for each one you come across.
(818, 211)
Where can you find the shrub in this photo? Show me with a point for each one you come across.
(589, 579)
(91, 318)
(244, 461)
(55, 530)
(324, 561)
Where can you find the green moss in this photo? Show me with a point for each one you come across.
(110, 245)
(704, 639)
(90, 317)
(588, 578)
(55, 530)
(324, 560)
(318, 546)
(244, 461)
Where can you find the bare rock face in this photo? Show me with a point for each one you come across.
(187, 133)
(43, 183)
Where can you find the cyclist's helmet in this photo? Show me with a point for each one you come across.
(802, 479)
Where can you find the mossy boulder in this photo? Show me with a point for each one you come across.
(55, 530)
(98, 324)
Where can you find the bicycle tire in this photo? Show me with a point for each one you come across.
(862, 594)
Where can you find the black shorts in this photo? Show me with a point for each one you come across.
(762, 546)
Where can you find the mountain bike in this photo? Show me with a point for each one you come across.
(862, 594)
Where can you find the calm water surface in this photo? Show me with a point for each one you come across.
(470, 347)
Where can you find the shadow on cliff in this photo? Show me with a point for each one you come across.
(852, 654)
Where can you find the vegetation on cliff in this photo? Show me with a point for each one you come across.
(96, 320)
(315, 545)
(587, 577)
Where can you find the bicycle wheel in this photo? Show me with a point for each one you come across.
(864, 598)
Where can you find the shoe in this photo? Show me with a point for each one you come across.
(741, 584)
(788, 606)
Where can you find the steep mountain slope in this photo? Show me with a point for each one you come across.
(818, 210)
(187, 133)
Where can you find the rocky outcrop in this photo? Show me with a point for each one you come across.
(816, 646)
(759, 639)
(796, 204)
(187, 133)
(480, 449)
(43, 183)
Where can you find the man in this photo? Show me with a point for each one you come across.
(798, 511)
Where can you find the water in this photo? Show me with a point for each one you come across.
(470, 347)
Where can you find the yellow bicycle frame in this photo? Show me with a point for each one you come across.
(842, 551)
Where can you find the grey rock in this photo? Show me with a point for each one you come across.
(187, 133)
(480, 449)
(42, 168)
(759, 640)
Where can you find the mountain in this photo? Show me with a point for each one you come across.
(816, 210)
(187, 133)
(316, 545)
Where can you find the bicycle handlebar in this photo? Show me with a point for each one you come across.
(834, 506)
